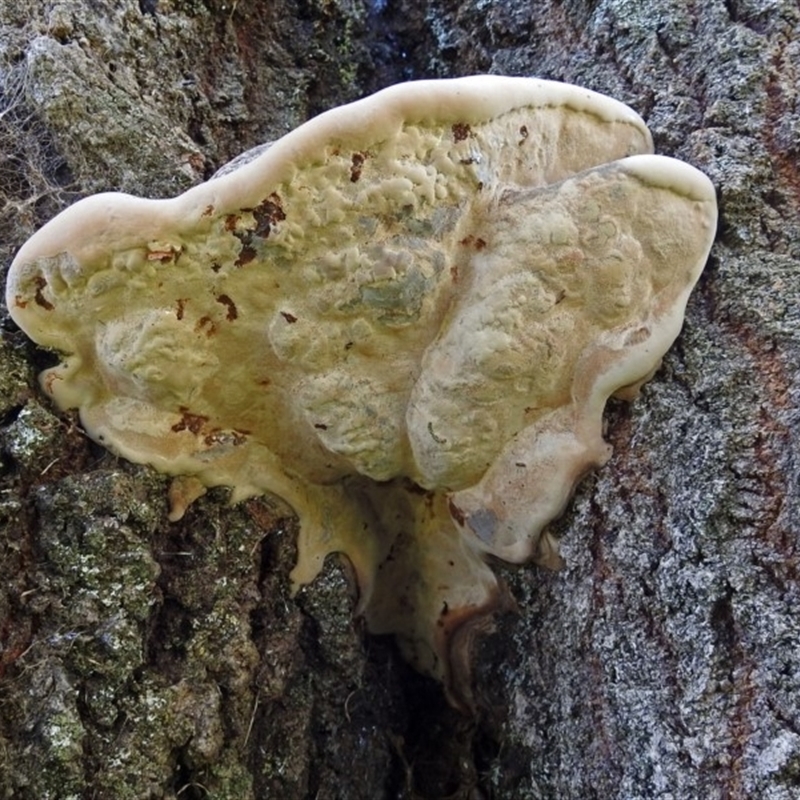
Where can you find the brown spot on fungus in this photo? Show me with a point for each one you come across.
(231, 312)
(194, 423)
(246, 255)
(461, 406)
(40, 283)
(206, 325)
(49, 380)
(357, 162)
(475, 242)
(163, 253)
(461, 131)
(456, 513)
(213, 437)
(268, 214)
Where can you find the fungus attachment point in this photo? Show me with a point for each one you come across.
(404, 318)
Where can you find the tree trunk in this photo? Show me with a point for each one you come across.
(146, 659)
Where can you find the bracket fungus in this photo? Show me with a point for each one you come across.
(404, 318)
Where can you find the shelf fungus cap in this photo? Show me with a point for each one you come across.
(404, 318)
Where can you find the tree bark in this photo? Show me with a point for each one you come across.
(145, 659)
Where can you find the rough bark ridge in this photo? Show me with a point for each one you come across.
(140, 659)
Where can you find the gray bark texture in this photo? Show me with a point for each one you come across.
(142, 659)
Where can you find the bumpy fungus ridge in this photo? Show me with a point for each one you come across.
(404, 318)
